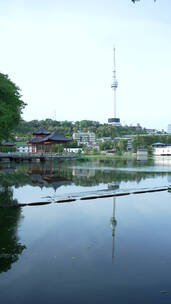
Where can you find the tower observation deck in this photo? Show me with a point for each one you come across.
(114, 121)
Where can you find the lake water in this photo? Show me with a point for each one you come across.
(108, 250)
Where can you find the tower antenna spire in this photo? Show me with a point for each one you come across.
(114, 61)
(115, 82)
(115, 121)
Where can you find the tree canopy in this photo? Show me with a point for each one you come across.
(25, 129)
(11, 107)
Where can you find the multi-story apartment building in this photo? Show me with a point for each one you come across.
(86, 138)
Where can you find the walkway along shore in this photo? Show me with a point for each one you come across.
(30, 157)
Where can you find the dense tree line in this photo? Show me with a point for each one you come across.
(67, 128)
(11, 107)
(117, 146)
(147, 140)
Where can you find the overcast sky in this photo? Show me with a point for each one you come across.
(60, 53)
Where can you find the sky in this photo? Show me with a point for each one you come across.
(60, 54)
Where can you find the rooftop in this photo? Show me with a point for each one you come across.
(41, 131)
(158, 144)
(53, 137)
(7, 143)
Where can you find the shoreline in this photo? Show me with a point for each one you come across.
(100, 156)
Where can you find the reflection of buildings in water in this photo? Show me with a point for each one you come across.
(7, 168)
(129, 163)
(113, 224)
(113, 186)
(169, 178)
(162, 160)
(142, 157)
(45, 168)
(138, 179)
(83, 172)
(48, 175)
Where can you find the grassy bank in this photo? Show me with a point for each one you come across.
(100, 156)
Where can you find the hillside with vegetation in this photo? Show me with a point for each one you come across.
(25, 129)
(146, 141)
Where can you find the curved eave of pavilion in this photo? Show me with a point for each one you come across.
(51, 141)
(56, 137)
(42, 132)
(46, 141)
(35, 141)
(7, 144)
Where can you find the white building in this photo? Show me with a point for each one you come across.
(142, 152)
(86, 138)
(169, 129)
(162, 149)
(73, 150)
(151, 131)
(23, 148)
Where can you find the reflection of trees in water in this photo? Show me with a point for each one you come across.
(128, 163)
(6, 195)
(53, 174)
(10, 247)
(113, 176)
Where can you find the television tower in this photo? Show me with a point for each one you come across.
(114, 121)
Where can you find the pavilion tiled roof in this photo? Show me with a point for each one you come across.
(35, 140)
(55, 136)
(41, 131)
(7, 143)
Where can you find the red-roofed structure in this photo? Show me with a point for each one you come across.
(43, 139)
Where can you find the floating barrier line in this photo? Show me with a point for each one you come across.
(86, 198)
(147, 191)
(66, 200)
(25, 204)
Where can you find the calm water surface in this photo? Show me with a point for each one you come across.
(112, 250)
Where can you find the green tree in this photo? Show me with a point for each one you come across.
(11, 107)
(106, 145)
(95, 151)
(123, 145)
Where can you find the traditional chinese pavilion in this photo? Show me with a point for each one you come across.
(45, 141)
(7, 144)
(41, 133)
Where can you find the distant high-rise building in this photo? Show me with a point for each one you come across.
(169, 129)
(114, 121)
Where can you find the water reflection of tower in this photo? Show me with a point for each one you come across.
(113, 224)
